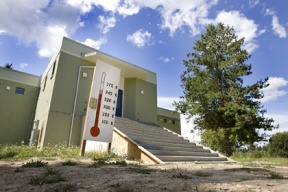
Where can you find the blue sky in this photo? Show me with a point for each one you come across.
(155, 35)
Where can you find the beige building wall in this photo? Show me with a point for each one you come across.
(18, 95)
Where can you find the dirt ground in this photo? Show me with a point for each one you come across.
(144, 178)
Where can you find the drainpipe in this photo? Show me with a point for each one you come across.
(75, 100)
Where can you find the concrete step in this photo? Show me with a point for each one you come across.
(162, 140)
(146, 131)
(164, 144)
(191, 149)
(189, 158)
(182, 153)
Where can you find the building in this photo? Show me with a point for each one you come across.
(18, 96)
(56, 104)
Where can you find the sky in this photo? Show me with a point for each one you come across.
(155, 35)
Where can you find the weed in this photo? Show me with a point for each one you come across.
(202, 174)
(143, 170)
(50, 176)
(276, 176)
(38, 163)
(69, 163)
(120, 162)
(181, 176)
(98, 163)
(125, 189)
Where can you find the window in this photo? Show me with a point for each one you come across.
(20, 91)
(53, 70)
(173, 122)
(165, 120)
(44, 83)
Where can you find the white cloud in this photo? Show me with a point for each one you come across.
(129, 7)
(106, 23)
(23, 65)
(166, 59)
(166, 102)
(253, 3)
(50, 39)
(42, 23)
(140, 38)
(95, 44)
(272, 92)
(175, 14)
(278, 29)
(243, 27)
(86, 5)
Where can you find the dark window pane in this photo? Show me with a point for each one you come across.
(20, 91)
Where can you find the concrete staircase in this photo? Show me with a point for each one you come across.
(165, 145)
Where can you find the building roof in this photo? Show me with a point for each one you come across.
(20, 77)
(128, 70)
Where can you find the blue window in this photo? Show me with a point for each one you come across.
(20, 91)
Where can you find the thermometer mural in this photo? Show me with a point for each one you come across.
(95, 130)
(100, 116)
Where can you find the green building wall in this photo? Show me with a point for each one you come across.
(60, 114)
(16, 110)
(169, 119)
(140, 100)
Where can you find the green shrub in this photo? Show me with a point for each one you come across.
(278, 145)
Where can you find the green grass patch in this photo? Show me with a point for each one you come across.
(50, 176)
(23, 151)
(262, 162)
(38, 163)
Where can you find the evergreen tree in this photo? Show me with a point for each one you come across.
(8, 65)
(227, 113)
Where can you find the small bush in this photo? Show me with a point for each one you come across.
(38, 163)
(69, 163)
